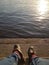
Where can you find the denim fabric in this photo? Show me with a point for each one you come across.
(10, 60)
(40, 61)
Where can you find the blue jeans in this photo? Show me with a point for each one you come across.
(11, 60)
(39, 61)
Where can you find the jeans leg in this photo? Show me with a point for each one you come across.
(9, 60)
(39, 61)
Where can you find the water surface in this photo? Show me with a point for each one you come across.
(24, 18)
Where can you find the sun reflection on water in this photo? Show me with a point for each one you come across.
(42, 8)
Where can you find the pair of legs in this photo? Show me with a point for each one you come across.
(17, 58)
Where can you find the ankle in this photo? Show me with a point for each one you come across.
(18, 54)
(34, 55)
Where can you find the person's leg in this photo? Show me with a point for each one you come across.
(15, 58)
(34, 59)
(31, 55)
(9, 60)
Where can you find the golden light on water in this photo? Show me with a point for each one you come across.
(42, 7)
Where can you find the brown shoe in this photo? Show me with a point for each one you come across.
(31, 51)
(18, 51)
(31, 54)
(17, 48)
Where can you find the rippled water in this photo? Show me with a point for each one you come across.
(24, 18)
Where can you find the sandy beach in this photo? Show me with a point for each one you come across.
(41, 46)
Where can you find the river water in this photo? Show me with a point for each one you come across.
(24, 18)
